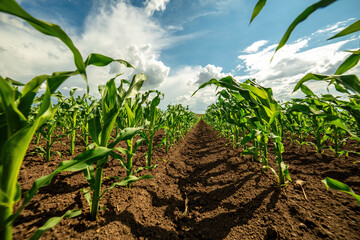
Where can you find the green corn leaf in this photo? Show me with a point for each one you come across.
(304, 109)
(15, 120)
(95, 126)
(89, 175)
(130, 115)
(14, 82)
(306, 90)
(54, 221)
(273, 171)
(138, 143)
(119, 157)
(108, 126)
(285, 170)
(13, 8)
(350, 29)
(310, 76)
(124, 135)
(350, 82)
(87, 196)
(136, 84)
(125, 182)
(101, 60)
(258, 7)
(349, 63)
(336, 185)
(57, 78)
(226, 82)
(29, 92)
(79, 163)
(251, 136)
(10, 160)
(305, 14)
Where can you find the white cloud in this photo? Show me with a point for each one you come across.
(182, 83)
(175, 28)
(334, 28)
(114, 28)
(291, 63)
(155, 5)
(255, 46)
(210, 71)
(26, 53)
(147, 63)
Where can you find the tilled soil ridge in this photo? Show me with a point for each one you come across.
(203, 189)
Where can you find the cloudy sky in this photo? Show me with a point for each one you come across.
(180, 44)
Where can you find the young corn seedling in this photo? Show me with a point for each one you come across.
(152, 114)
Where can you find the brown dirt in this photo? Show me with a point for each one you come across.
(204, 190)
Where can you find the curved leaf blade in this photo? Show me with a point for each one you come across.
(54, 221)
(258, 7)
(304, 15)
(350, 29)
(349, 63)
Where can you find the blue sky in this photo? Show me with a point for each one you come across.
(180, 44)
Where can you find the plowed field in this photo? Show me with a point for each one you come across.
(203, 189)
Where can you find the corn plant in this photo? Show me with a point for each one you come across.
(152, 114)
(100, 128)
(87, 105)
(47, 132)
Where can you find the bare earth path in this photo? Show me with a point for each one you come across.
(203, 189)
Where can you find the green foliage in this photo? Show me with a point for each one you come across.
(339, 186)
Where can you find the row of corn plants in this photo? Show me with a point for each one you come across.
(347, 84)
(248, 112)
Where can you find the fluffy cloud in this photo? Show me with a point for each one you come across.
(292, 62)
(113, 28)
(209, 72)
(255, 46)
(146, 62)
(183, 82)
(26, 53)
(155, 5)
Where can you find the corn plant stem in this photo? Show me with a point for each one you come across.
(336, 138)
(318, 141)
(97, 189)
(129, 159)
(38, 135)
(86, 135)
(49, 143)
(279, 160)
(149, 156)
(265, 159)
(48, 149)
(73, 133)
(5, 231)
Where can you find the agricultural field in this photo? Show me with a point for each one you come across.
(205, 189)
(120, 167)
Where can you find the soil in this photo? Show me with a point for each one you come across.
(203, 189)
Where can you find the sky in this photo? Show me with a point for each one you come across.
(180, 44)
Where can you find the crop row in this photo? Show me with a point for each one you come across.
(249, 112)
(122, 113)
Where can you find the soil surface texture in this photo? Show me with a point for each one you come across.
(203, 189)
